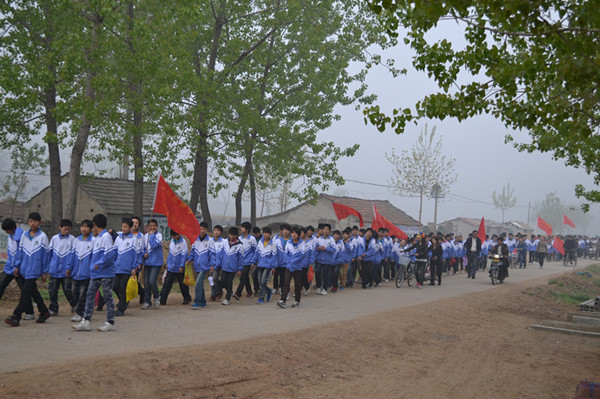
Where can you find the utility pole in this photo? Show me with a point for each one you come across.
(528, 212)
(436, 192)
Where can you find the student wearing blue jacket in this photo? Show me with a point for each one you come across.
(216, 246)
(266, 262)
(232, 263)
(102, 274)
(311, 245)
(334, 275)
(31, 263)
(345, 258)
(324, 259)
(200, 257)
(153, 261)
(280, 240)
(367, 256)
(60, 255)
(295, 259)
(126, 263)
(178, 255)
(14, 237)
(79, 268)
(249, 244)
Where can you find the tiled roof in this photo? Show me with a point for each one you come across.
(384, 207)
(116, 195)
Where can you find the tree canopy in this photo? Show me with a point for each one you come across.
(535, 65)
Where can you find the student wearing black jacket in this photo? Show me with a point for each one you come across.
(422, 246)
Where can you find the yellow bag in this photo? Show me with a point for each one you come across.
(132, 288)
(188, 277)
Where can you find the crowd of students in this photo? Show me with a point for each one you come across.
(322, 260)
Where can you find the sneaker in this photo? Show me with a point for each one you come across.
(29, 317)
(269, 294)
(12, 321)
(419, 285)
(225, 302)
(306, 291)
(43, 317)
(157, 302)
(260, 301)
(341, 288)
(379, 285)
(106, 327)
(296, 305)
(387, 280)
(281, 304)
(196, 307)
(323, 292)
(119, 313)
(53, 313)
(319, 291)
(84, 325)
(334, 289)
(249, 295)
(146, 306)
(76, 318)
(186, 301)
(236, 296)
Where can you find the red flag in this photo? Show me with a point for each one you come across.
(381, 222)
(558, 245)
(343, 211)
(542, 224)
(481, 231)
(568, 221)
(179, 216)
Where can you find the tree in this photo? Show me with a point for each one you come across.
(25, 161)
(415, 172)
(552, 209)
(505, 200)
(532, 64)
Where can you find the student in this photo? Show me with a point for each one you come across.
(126, 264)
(249, 245)
(79, 268)
(324, 258)
(102, 274)
(436, 260)
(334, 275)
(311, 244)
(135, 230)
(232, 262)
(265, 259)
(216, 246)
(30, 262)
(15, 234)
(367, 255)
(178, 254)
(60, 251)
(295, 254)
(280, 240)
(256, 232)
(200, 256)
(385, 255)
(377, 265)
(153, 261)
(345, 258)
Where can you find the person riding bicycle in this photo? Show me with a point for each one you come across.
(501, 249)
(570, 247)
(422, 255)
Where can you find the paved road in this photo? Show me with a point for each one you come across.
(175, 325)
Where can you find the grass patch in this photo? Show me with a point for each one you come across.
(570, 289)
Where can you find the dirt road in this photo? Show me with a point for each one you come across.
(459, 342)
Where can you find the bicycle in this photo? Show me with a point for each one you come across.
(570, 256)
(405, 271)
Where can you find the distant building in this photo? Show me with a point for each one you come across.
(7, 211)
(464, 226)
(321, 211)
(112, 197)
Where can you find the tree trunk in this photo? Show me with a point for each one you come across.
(199, 191)
(420, 206)
(252, 197)
(238, 198)
(53, 159)
(135, 92)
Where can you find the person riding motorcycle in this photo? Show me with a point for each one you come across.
(501, 249)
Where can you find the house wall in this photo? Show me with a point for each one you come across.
(87, 207)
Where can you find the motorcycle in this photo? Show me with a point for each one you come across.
(496, 273)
